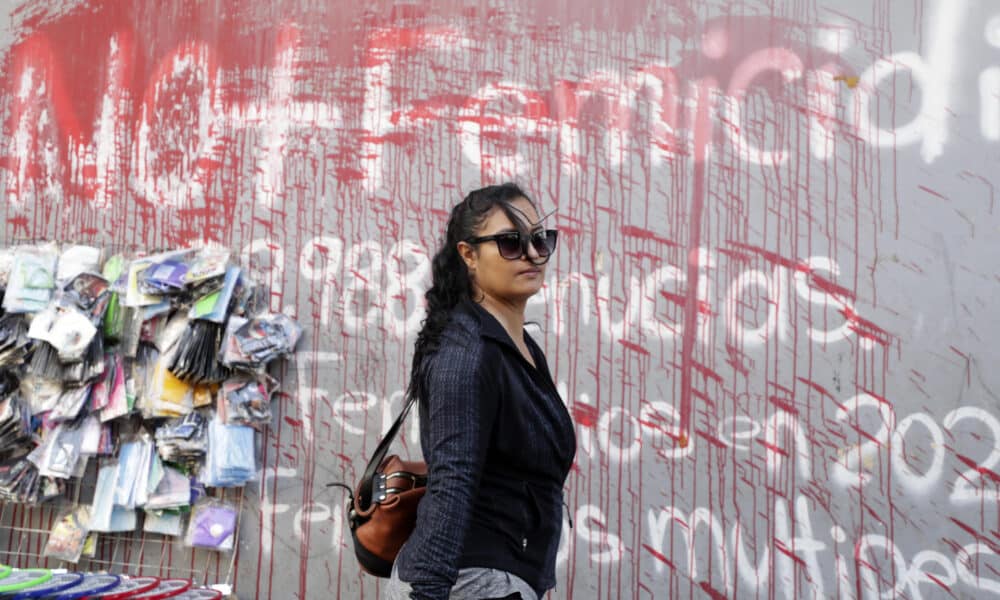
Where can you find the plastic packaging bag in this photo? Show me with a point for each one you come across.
(113, 314)
(88, 292)
(69, 535)
(215, 306)
(59, 452)
(32, 278)
(19, 481)
(134, 295)
(70, 404)
(164, 522)
(78, 259)
(197, 355)
(45, 362)
(164, 278)
(89, 368)
(117, 405)
(209, 263)
(15, 427)
(212, 525)
(261, 340)
(135, 463)
(173, 491)
(183, 440)
(248, 401)
(105, 516)
(14, 341)
(231, 457)
(68, 330)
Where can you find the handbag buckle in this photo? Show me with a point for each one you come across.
(378, 488)
(381, 489)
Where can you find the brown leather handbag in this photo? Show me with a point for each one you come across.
(382, 510)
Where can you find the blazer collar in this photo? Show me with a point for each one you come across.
(489, 326)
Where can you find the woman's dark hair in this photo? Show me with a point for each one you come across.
(450, 281)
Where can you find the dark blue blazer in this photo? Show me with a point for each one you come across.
(499, 444)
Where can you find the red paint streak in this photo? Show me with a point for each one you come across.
(645, 234)
(734, 358)
(817, 387)
(707, 373)
(981, 470)
(994, 546)
(711, 439)
(634, 347)
(788, 552)
(659, 556)
(772, 447)
(700, 395)
(585, 414)
(830, 287)
(772, 257)
(713, 593)
(783, 404)
(932, 192)
(702, 137)
(865, 328)
(937, 581)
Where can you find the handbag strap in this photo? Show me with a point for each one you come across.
(365, 486)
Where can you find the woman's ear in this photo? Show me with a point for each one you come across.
(468, 254)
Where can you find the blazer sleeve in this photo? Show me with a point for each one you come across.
(461, 409)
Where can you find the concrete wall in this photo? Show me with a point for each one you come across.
(771, 313)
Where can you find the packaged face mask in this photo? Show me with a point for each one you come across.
(106, 517)
(231, 457)
(173, 491)
(66, 329)
(101, 390)
(78, 259)
(113, 316)
(163, 522)
(135, 463)
(168, 396)
(212, 525)
(32, 279)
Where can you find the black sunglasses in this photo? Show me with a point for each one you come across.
(512, 245)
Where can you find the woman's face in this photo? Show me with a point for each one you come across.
(496, 276)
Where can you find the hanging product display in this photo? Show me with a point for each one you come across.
(152, 370)
(213, 525)
(69, 534)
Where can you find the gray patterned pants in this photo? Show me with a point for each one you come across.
(474, 583)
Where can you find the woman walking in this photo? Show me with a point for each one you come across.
(498, 440)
